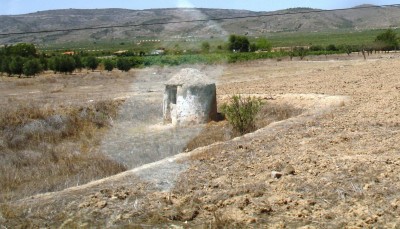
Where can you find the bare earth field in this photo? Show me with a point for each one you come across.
(339, 158)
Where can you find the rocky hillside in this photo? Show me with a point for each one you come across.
(353, 19)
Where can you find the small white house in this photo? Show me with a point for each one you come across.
(158, 52)
(189, 98)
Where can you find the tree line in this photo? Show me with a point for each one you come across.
(25, 60)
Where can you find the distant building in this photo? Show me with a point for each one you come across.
(70, 53)
(158, 52)
(120, 52)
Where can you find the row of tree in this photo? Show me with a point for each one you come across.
(30, 66)
(23, 59)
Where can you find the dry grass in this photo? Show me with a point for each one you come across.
(274, 112)
(50, 148)
(24, 82)
(222, 131)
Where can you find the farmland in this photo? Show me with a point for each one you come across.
(341, 150)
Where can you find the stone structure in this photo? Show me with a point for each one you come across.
(189, 98)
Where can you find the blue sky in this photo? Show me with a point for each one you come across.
(28, 6)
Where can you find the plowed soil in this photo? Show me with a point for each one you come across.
(338, 162)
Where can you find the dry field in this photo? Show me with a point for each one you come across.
(50, 129)
(339, 159)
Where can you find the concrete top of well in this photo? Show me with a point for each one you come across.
(189, 76)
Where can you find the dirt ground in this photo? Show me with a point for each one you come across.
(337, 165)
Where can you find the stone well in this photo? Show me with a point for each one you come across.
(189, 98)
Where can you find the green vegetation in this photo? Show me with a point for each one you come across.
(287, 39)
(238, 44)
(205, 47)
(123, 64)
(63, 64)
(32, 67)
(263, 44)
(388, 40)
(241, 112)
(91, 62)
(108, 65)
(13, 58)
(22, 50)
(20, 59)
(16, 65)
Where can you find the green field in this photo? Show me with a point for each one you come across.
(279, 39)
(324, 39)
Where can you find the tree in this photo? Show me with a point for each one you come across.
(22, 49)
(301, 52)
(253, 47)
(316, 48)
(2, 59)
(205, 47)
(238, 43)
(63, 64)
(54, 64)
(108, 65)
(91, 62)
(123, 64)
(78, 62)
(32, 67)
(5, 66)
(136, 61)
(263, 44)
(16, 66)
(44, 62)
(66, 64)
(388, 39)
(347, 49)
(331, 47)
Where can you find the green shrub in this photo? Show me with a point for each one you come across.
(108, 65)
(263, 44)
(16, 66)
(238, 43)
(32, 67)
(123, 64)
(387, 40)
(331, 47)
(5, 66)
(136, 61)
(241, 112)
(78, 62)
(205, 47)
(91, 62)
(64, 64)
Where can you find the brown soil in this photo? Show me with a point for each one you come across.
(339, 161)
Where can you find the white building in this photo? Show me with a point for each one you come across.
(189, 98)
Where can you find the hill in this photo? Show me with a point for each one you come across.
(290, 20)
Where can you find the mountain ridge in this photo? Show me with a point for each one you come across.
(253, 23)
